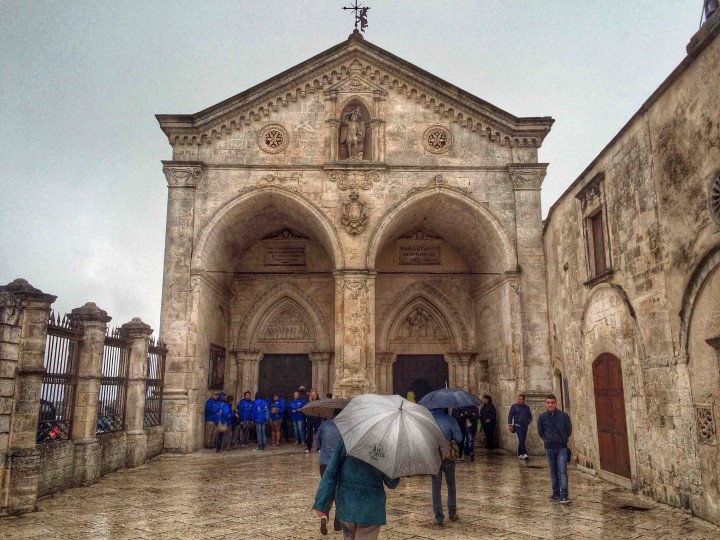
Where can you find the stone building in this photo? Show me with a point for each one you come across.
(354, 224)
(633, 276)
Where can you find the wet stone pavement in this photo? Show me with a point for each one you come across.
(263, 495)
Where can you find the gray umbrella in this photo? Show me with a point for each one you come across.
(394, 435)
(449, 398)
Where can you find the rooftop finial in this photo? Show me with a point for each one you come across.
(360, 16)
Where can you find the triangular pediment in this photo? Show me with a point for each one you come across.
(355, 66)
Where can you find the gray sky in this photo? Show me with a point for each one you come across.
(82, 205)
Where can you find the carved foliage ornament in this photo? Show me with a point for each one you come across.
(355, 287)
(182, 176)
(526, 178)
(273, 138)
(354, 215)
(437, 140)
(354, 180)
(705, 420)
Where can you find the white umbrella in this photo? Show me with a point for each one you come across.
(394, 435)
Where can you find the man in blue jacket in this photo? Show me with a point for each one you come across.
(297, 418)
(212, 406)
(277, 411)
(451, 431)
(260, 416)
(244, 408)
(555, 428)
(519, 419)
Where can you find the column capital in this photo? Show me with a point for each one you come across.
(249, 355)
(320, 356)
(183, 174)
(90, 313)
(527, 176)
(461, 357)
(384, 357)
(136, 328)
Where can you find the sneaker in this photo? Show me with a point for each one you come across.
(455, 517)
(323, 525)
(554, 498)
(307, 451)
(564, 500)
(520, 456)
(525, 456)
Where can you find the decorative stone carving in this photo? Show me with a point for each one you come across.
(273, 138)
(276, 178)
(527, 178)
(589, 195)
(354, 215)
(358, 287)
(437, 139)
(288, 325)
(437, 182)
(182, 175)
(714, 198)
(420, 325)
(353, 133)
(705, 420)
(354, 180)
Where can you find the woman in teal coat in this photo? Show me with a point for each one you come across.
(359, 493)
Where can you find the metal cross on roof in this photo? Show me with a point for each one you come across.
(360, 15)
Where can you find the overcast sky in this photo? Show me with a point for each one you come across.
(83, 197)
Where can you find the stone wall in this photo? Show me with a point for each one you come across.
(113, 451)
(651, 185)
(154, 442)
(56, 467)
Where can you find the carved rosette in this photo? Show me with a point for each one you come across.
(182, 175)
(354, 214)
(354, 180)
(529, 178)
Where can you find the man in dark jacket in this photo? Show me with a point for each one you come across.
(451, 431)
(555, 428)
(488, 421)
(519, 419)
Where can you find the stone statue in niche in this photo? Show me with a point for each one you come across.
(352, 133)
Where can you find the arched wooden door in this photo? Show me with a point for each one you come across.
(610, 414)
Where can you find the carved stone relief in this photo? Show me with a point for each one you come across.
(354, 180)
(354, 133)
(420, 325)
(437, 139)
(526, 178)
(289, 324)
(273, 138)
(354, 214)
(705, 420)
(182, 176)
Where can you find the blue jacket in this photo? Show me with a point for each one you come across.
(356, 486)
(294, 407)
(212, 408)
(555, 428)
(520, 415)
(277, 409)
(326, 439)
(448, 425)
(245, 407)
(225, 413)
(260, 411)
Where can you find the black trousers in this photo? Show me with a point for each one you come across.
(489, 431)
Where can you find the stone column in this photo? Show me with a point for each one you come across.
(333, 123)
(24, 314)
(139, 333)
(248, 369)
(460, 362)
(321, 375)
(383, 372)
(92, 321)
(526, 181)
(182, 178)
(378, 129)
(354, 333)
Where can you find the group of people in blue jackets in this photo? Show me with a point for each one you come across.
(252, 416)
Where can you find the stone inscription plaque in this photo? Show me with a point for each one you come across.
(419, 249)
(285, 256)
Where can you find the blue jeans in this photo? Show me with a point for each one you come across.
(557, 459)
(469, 441)
(260, 432)
(299, 426)
(448, 467)
(521, 432)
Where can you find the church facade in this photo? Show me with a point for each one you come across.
(354, 224)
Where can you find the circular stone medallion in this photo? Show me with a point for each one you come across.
(437, 139)
(273, 138)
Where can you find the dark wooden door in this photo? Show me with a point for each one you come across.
(420, 372)
(284, 374)
(610, 413)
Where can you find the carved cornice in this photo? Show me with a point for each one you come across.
(527, 176)
(437, 182)
(182, 173)
(354, 180)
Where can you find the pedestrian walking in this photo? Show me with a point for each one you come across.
(312, 423)
(326, 440)
(451, 431)
(211, 409)
(244, 408)
(260, 416)
(488, 421)
(519, 418)
(359, 492)
(277, 410)
(297, 418)
(555, 428)
(471, 415)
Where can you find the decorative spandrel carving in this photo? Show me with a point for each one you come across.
(705, 421)
(287, 325)
(354, 180)
(354, 214)
(420, 325)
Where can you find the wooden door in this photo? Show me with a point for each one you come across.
(610, 413)
(420, 372)
(284, 374)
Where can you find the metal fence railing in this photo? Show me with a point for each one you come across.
(157, 353)
(113, 385)
(57, 392)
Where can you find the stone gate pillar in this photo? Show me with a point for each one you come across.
(321, 374)
(354, 332)
(526, 180)
(182, 178)
(24, 314)
(249, 370)
(139, 333)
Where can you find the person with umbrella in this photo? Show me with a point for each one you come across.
(326, 440)
(451, 431)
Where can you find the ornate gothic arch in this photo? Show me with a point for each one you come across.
(278, 301)
(436, 305)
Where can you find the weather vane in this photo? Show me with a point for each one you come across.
(360, 16)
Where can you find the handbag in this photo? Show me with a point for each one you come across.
(454, 454)
(222, 427)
